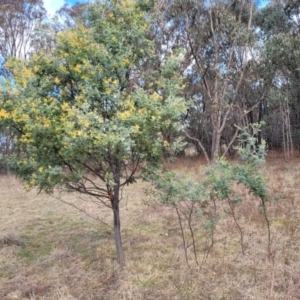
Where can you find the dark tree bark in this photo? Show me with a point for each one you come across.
(115, 207)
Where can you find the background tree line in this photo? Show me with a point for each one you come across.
(240, 66)
(110, 88)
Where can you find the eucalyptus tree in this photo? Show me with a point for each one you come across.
(219, 38)
(279, 24)
(18, 22)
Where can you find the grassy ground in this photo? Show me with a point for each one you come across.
(50, 250)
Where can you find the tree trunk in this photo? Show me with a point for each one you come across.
(260, 116)
(117, 231)
(215, 145)
(216, 137)
(115, 207)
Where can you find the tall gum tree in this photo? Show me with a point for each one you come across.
(218, 38)
(18, 23)
(85, 110)
(280, 27)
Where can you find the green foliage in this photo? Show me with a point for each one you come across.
(271, 20)
(249, 150)
(196, 202)
(172, 188)
(85, 108)
(88, 113)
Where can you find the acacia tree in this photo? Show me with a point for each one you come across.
(84, 109)
(18, 23)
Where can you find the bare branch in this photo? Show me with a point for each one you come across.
(82, 210)
(200, 145)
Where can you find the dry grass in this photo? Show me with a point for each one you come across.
(49, 250)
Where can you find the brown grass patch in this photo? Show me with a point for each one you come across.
(49, 250)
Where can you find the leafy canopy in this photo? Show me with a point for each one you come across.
(84, 108)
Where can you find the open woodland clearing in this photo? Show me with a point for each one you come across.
(53, 251)
(105, 89)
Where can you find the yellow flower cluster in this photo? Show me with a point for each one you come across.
(4, 114)
(125, 62)
(46, 122)
(136, 128)
(65, 106)
(19, 117)
(156, 96)
(75, 38)
(63, 69)
(127, 113)
(84, 123)
(26, 138)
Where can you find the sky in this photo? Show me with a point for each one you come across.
(262, 3)
(53, 5)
